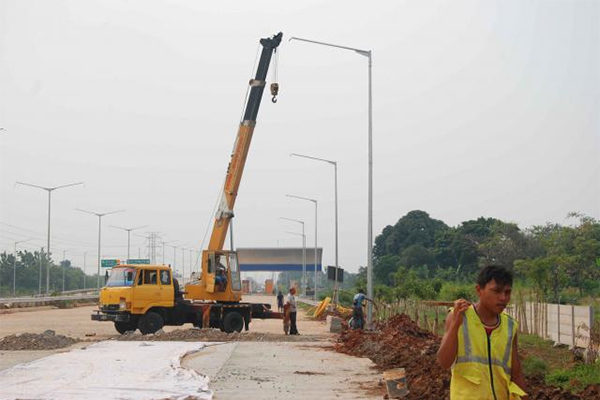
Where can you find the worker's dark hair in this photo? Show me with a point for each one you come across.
(499, 273)
(361, 290)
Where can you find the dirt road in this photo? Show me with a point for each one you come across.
(76, 322)
(237, 370)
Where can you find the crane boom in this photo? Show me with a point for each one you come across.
(242, 145)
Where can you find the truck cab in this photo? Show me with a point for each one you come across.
(132, 292)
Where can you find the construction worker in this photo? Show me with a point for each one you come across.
(291, 301)
(358, 314)
(480, 343)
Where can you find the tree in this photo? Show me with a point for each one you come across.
(415, 228)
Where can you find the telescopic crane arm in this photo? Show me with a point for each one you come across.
(242, 145)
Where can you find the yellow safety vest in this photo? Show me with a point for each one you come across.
(482, 368)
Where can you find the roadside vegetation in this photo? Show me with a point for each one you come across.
(421, 258)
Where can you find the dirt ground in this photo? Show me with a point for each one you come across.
(76, 322)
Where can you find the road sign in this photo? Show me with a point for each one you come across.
(109, 263)
(138, 261)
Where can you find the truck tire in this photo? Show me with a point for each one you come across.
(123, 327)
(150, 322)
(233, 321)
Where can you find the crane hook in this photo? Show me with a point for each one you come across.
(274, 92)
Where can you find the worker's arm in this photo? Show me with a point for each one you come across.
(516, 373)
(447, 352)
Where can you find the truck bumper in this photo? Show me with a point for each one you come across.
(99, 316)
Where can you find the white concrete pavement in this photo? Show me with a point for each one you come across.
(279, 370)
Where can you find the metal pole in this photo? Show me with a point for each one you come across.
(315, 250)
(84, 268)
(40, 279)
(183, 263)
(99, 247)
(370, 206)
(337, 264)
(304, 259)
(128, 243)
(48, 244)
(15, 270)
(174, 259)
(63, 270)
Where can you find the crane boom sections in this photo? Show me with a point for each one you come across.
(242, 145)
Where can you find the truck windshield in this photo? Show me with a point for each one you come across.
(121, 277)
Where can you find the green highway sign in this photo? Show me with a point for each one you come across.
(138, 261)
(109, 263)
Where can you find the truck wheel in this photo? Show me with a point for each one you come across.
(233, 321)
(123, 327)
(150, 322)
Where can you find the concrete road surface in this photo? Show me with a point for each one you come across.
(237, 370)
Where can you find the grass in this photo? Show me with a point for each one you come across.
(541, 358)
(576, 378)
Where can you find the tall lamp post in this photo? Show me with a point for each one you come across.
(315, 202)
(49, 190)
(99, 215)
(303, 250)
(128, 236)
(337, 265)
(163, 250)
(303, 253)
(368, 54)
(15, 266)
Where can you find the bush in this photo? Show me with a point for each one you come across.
(451, 291)
(534, 366)
(576, 378)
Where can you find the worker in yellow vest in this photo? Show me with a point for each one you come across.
(480, 343)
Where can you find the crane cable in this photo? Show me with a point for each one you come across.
(274, 85)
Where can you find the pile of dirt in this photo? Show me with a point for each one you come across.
(215, 335)
(400, 343)
(48, 340)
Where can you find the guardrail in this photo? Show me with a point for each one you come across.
(46, 299)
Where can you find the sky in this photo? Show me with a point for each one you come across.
(480, 108)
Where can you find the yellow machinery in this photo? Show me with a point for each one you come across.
(205, 288)
(148, 296)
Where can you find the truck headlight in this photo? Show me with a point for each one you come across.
(122, 304)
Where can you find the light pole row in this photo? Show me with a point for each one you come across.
(315, 203)
(368, 54)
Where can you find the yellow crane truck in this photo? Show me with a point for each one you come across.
(147, 297)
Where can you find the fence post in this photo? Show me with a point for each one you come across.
(573, 325)
(558, 319)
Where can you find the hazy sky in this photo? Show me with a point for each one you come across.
(481, 108)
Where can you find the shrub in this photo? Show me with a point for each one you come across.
(534, 366)
(451, 291)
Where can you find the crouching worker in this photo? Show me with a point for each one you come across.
(480, 343)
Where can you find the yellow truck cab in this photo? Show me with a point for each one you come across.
(148, 297)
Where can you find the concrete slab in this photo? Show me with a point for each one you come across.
(269, 371)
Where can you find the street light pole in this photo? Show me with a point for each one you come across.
(49, 190)
(163, 250)
(369, 55)
(337, 265)
(128, 236)
(15, 266)
(315, 202)
(303, 251)
(99, 215)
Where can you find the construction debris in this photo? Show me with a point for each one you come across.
(48, 340)
(400, 343)
(216, 335)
